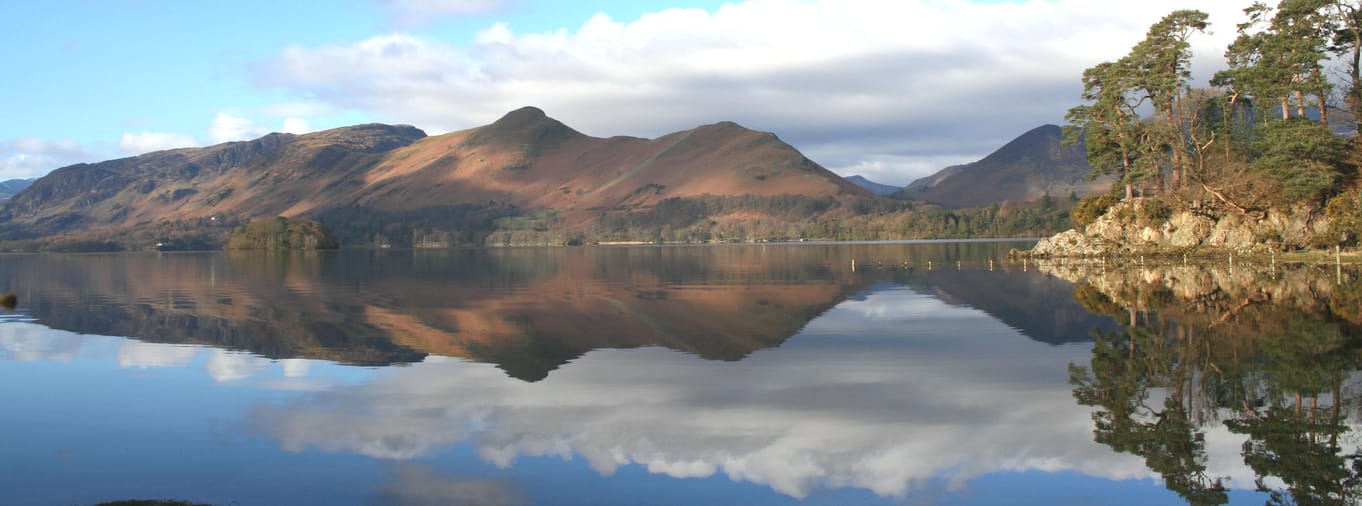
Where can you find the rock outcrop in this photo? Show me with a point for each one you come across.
(1144, 227)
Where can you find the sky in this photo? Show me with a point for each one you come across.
(889, 89)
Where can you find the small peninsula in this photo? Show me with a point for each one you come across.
(1263, 161)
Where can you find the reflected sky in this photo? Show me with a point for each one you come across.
(892, 393)
(888, 403)
(901, 392)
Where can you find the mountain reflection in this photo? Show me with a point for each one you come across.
(1272, 356)
(527, 310)
(893, 392)
(777, 366)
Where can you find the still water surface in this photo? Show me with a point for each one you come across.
(931, 373)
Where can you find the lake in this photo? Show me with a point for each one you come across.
(877, 373)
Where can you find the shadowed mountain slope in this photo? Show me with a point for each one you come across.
(1025, 169)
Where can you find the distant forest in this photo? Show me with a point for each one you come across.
(707, 219)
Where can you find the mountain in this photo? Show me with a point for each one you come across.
(394, 184)
(527, 310)
(1027, 168)
(12, 186)
(876, 188)
(1040, 307)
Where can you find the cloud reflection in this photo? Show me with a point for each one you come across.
(32, 342)
(27, 342)
(144, 355)
(880, 408)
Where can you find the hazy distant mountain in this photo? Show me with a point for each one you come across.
(876, 188)
(12, 186)
(1024, 169)
(364, 179)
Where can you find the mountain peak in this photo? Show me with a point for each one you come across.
(1026, 168)
(527, 113)
(526, 125)
(1036, 142)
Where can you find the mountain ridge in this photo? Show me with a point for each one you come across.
(1032, 165)
(376, 181)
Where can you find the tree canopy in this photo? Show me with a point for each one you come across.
(1260, 139)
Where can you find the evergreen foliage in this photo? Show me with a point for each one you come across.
(282, 233)
(1261, 143)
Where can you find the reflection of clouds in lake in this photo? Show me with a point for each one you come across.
(295, 367)
(896, 309)
(29, 342)
(420, 486)
(225, 366)
(143, 355)
(868, 409)
(32, 342)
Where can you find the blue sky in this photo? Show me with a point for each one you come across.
(893, 89)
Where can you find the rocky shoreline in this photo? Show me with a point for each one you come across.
(1142, 227)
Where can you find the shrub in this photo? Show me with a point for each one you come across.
(1153, 211)
(1345, 220)
(1091, 207)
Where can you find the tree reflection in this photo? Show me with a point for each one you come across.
(1266, 357)
(1125, 367)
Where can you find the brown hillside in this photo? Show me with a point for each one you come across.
(368, 175)
(533, 161)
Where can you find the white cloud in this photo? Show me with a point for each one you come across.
(146, 142)
(298, 109)
(896, 170)
(906, 80)
(419, 12)
(296, 126)
(31, 157)
(228, 128)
